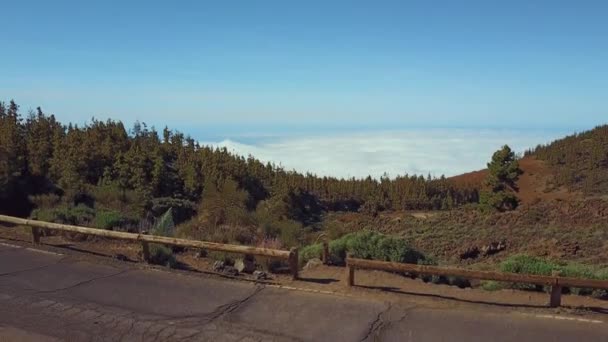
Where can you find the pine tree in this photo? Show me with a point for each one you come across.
(503, 172)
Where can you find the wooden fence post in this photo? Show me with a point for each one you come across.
(145, 248)
(350, 273)
(555, 299)
(325, 256)
(293, 262)
(35, 235)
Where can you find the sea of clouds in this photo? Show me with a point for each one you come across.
(416, 151)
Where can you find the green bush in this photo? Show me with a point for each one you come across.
(112, 197)
(290, 232)
(46, 201)
(435, 279)
(78, 215)
(162, 255)
(181, 209)
(310, 252)
(491, 285)
(109, 220)
(366, 245)
(525, 264)
(83, 215)
(164, 226)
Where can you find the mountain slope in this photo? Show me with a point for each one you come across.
(579, 161)
(569, 168)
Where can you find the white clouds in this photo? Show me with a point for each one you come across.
(438, 151)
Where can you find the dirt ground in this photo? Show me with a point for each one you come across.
(534, 183)
(329, 279)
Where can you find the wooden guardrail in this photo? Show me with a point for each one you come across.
(554, 281)
(291, 256)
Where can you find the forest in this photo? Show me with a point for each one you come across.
(579, 161)
(104, 175)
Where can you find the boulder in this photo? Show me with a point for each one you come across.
(219, 266)
(121, 257)
(312, 263)
(231, 271)
(260, 275)
(245, 265)
(493, 248)
(469, 253)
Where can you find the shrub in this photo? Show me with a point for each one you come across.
(435, 279)
(182, 210)
(310, 252)
(335, 229)
(371, 245)
(532, 265)
(270, 264)
(159, 254)
(162, 255)
(491, 285)
(366, 245)
(111, 197)
(78, 215)
(290, 232)
(578, 271)
(164, 226)
(110, 220)
(46, 201)
(458, 281)
(526, 264)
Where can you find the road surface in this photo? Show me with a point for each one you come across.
(50, 297)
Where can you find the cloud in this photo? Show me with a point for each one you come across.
(421, 151)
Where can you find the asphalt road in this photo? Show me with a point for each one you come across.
(48, 297)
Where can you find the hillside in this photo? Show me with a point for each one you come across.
(536, 183)
(564, 231)
(562, 212)
(105, 176)
(578, 161)
(570, 168)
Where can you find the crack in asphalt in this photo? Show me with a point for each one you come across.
(222, 310)
(32, 268)
(159, 327)
(228, 308)
(84, 282)
(157, 334)
(12, 249)
(376, 324)
(379, 324)
(128, 330)
(189, 337)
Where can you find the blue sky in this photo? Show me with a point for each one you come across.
(223, 69)
(425, 63)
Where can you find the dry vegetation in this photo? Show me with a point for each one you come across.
(560, 230)
(102, 175)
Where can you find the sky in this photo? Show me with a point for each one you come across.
(236, 72)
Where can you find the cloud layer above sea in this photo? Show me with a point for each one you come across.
(416, 151)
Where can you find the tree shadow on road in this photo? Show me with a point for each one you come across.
(432, 295)
(603, 311)
(71, 247)
(319, 280)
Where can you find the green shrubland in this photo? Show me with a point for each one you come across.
(365, 244)
(525, 264)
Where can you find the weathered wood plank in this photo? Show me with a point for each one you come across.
(436, 270)
(273, 253)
